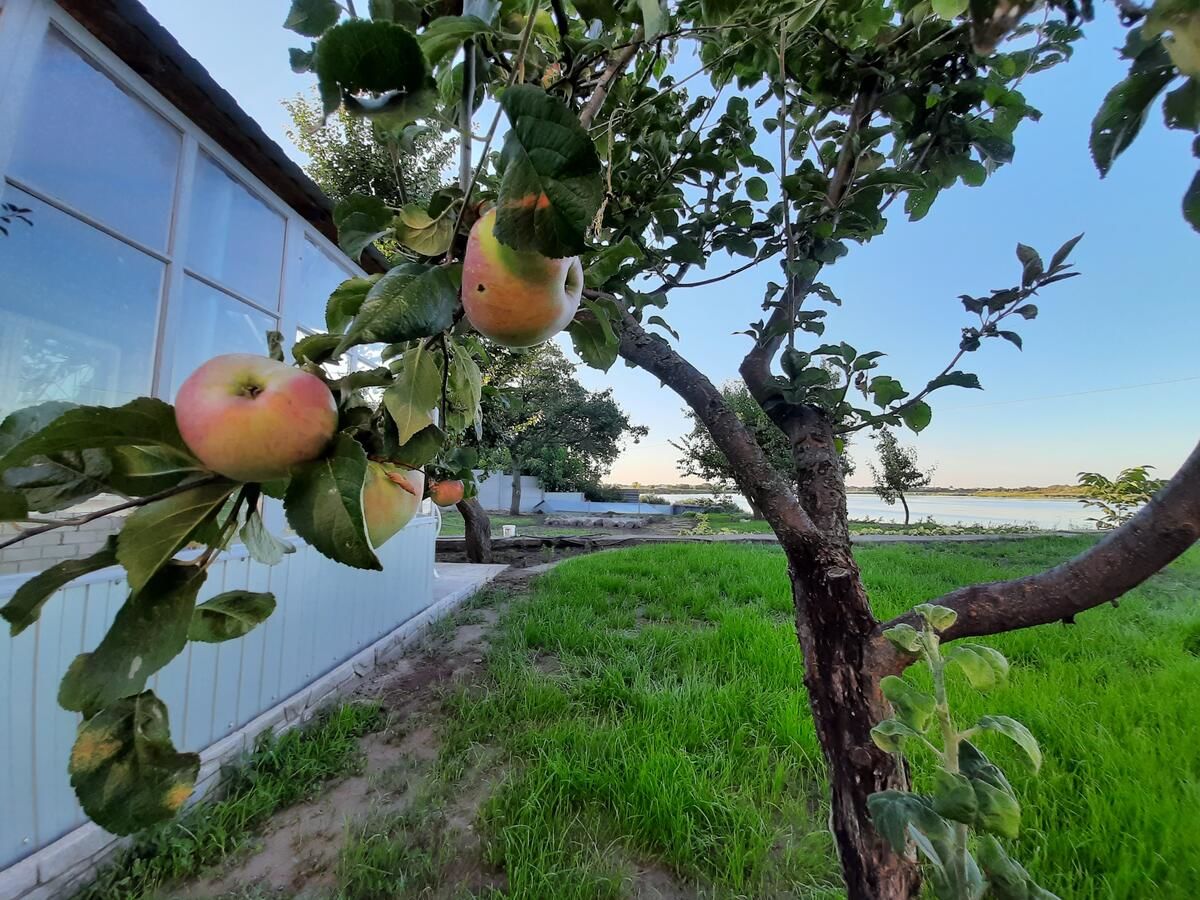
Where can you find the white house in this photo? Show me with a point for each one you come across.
(166, 228)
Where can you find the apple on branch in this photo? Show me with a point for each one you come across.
(446, 493)
(252, 418)
(390, 496)
(517, 299)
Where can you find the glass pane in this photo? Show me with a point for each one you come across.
(319, 275)
(88, 143)
(233, 237)
(212, 323)
(78, 312)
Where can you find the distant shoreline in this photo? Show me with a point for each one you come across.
(1053, 492)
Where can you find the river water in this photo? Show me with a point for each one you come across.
(950, 509)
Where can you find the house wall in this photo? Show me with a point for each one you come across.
(151, 250)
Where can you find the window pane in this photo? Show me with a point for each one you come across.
(319, 275)
(212, 323)
(233, 237)
(78, 312)
(88, 143)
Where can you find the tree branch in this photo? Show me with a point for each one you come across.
(757, 478)
(611, 74)
(1166, 527)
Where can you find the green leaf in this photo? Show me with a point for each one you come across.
(890, 734)
(60, 480)
(141, 471)
(141, 422)
(229, 615)
(373, 57)
(886, 390)
(904, 637)
(422, 448)
(1181, 109)
(653, 17)
(345, 302)
(955, 379)
(406, 12)
(1031, 263)
(594, 339)
(893, 812)
(24, 607)
(1191, 203)
(12, 506)
(609, 261)
(1012, 337)
(148, 632)
(913, 707)
(410, 301)
(417, 231)
(263, 546)
(954, 797)
(551, 187)
(983, 666)
(1060, 257)
(464, 386)
(975, 765)
(756, 188)
(311, 18)
(159, 530)
(1007, 879)
(415, 392)
(445, 34)
(324, 505)
(1028, 311)
(604, 10)
(939, 617)
(997, 811)
(23, 423)
(125, 771)
(1123, 113)
(1017, 733)
(299, 60)
(316, 348)
(360, 221)
(918, 416)
(949, 9)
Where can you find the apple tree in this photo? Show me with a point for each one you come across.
(628, 164)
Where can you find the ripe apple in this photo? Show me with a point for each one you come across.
(391, 495)
(446, 493)
(252, 418)
(517, 299)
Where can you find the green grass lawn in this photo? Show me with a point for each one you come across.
(651, 712)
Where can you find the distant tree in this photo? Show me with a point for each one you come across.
(539, 420)
(1120, 498)
(704, 459)
(351, 155)
(898, 470)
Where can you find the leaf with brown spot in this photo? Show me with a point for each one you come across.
(125, 771)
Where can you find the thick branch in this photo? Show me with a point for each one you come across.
(611, 74)
(756, 477)
(1152, 539)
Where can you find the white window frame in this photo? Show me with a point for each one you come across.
(23, 27)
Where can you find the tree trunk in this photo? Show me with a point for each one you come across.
(478, 530)
(835, 626)
(905, 504)
(514, 506)
(755, 510)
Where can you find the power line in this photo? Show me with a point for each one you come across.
(1125, 387)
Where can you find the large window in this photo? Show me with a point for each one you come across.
(150, 250)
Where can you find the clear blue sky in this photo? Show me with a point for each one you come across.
(1132, 318)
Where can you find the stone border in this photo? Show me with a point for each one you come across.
(60, 868)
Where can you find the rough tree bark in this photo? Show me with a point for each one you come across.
(477, 529)
(834, 623)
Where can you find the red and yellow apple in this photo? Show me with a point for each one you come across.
(252, 418)
(446, 493)
(516, 298)
(390, 496)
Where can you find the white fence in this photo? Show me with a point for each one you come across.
(326, 613)
(557, 501)
(495, 492)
